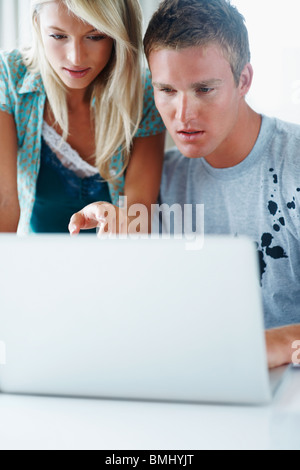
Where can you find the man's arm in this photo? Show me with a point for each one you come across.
(281, 345)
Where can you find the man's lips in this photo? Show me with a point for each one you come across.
(189, 131)
(189, 135)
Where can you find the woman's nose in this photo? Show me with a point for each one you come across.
(75, 53)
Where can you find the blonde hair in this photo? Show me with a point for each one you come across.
(117, 93)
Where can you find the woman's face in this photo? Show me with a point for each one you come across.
(76, 50)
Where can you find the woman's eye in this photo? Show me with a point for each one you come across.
(57, 36)
(97, 38)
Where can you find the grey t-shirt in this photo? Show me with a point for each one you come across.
(259, 198)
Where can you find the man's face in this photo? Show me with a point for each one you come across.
(197, 97)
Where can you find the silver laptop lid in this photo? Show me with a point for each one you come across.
(132, 319)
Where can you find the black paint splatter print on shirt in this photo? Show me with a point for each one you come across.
(267, 239)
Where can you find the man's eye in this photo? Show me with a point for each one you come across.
(205, 90)
(167, 90)
(57, 36)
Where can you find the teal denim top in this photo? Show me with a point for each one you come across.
(22, 94)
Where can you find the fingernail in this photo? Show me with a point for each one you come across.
(72, 229)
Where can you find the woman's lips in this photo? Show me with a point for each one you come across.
(73, 73)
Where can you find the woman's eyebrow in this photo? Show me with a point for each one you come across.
(62, 31)
(56, 28)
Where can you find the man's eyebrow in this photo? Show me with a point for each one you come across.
(161, 85)
(212, 82)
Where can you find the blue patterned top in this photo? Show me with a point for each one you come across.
(22, 94)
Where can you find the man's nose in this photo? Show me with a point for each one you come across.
(186, 108)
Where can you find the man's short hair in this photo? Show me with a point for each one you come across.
(178, 24)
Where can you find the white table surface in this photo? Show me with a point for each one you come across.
(64, 423)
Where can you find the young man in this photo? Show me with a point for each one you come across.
(244, 168)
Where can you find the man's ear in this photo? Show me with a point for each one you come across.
(246, 79)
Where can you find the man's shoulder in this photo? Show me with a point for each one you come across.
(283, 139)
(283, 129)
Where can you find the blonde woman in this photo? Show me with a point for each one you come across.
(77, 117)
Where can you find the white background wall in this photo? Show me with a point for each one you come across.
(149, 6)
(14, 23)
(275, 44)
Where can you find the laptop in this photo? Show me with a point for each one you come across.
(133, 319)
